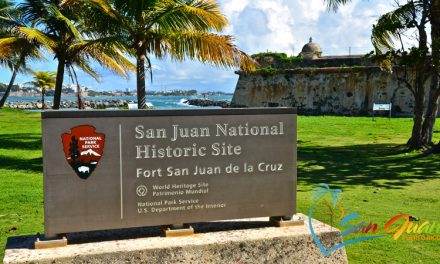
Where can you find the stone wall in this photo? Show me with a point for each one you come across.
(245, 241)
(333, 91)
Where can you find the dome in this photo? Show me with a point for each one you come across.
(312, 47)
(311, 51)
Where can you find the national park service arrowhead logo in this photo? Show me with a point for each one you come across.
(83, 148)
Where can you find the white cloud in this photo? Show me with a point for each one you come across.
(285, 25)
(306, 10)
(231, 8)
(259, 25)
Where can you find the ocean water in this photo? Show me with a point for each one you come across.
(159, 102)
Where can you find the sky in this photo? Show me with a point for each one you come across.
(257, 26)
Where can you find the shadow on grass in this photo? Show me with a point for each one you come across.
(27, 141)
(381, 165)
(35, 165)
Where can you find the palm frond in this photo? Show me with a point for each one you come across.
(333, 5)
(149, 68)
(105, 51)
(109, 43)
(4, 5)
(24, 69)
(33, 34)
(34, 12)
(209, 13)
(209, 48)
(7, 23)
(9, 62)
(388, 29)
(389, 26)
(178, 15)
(9, 46)
(63, 21)
(100, 4)
(85, 67)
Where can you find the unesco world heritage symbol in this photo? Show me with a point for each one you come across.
(83, 149)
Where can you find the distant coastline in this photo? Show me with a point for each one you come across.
(69, 101)
(29, 98)
(92, 93)
(71, 91)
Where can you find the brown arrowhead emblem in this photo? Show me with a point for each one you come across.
(83, 149)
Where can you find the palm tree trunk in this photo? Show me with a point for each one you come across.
(11, 82)
(415, 142)
(78, 90)
(432, 110)
(79, 99)
(140, 78)
(59, 83)
(434, 94)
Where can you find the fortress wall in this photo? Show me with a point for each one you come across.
(333, 91)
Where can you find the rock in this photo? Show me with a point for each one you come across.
(413, 218)
(207, 102)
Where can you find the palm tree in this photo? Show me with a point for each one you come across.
(15, 62)
(413, 14)
(18, 43)
(44, 80)
(179, 29)
(65, 23)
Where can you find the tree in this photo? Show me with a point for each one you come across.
(18, 43)
(44, 80)
(392, 26)
(73, 149)
(434, 94)
(389, 28)
(179, 29)
(66, 23)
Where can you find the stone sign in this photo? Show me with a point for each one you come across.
(119, 169)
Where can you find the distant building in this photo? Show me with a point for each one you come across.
(316, 84)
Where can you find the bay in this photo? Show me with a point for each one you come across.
(159, 102)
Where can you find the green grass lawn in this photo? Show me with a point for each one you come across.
(364, 158)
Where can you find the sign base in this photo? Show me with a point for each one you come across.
(177, 230)
(52, 243)
(280, 221)
(232, 241)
